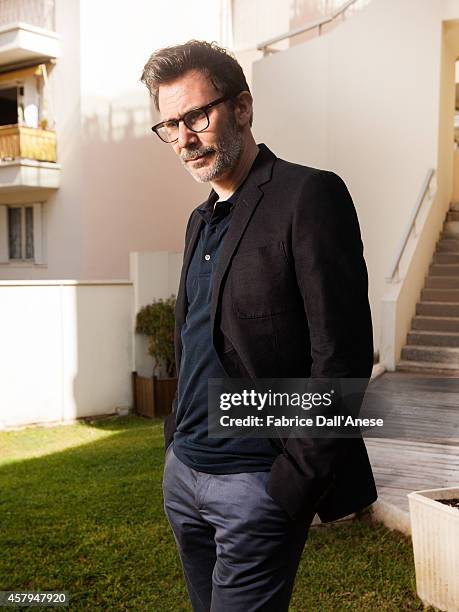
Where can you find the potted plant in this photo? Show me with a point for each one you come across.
(153, 395)
(435, 532)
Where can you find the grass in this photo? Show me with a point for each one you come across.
(81, 511)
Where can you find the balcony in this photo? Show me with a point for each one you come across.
(27, 31)
(17, 141)
(28, 159)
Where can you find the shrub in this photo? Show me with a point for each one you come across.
(157, 321)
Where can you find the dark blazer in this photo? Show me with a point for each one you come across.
(290, 300)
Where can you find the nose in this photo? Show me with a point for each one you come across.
(186, 136)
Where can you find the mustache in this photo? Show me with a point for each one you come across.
(189, 154)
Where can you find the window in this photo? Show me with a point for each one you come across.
(21, 233)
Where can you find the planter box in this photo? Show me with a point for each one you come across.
(153, 396)
(435, 533)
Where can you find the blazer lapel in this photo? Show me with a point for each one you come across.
(249, 198)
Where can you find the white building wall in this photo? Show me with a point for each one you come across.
(363, 101)
(255, 21)
(122, 190)
(137, 195)
(62, 212)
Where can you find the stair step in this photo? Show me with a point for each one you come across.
(440, 295)
(445, 269)
(451, 226)
(426, 367)
(442, 282)
(454, 206)
(431, 354)
(437, 309)
(448, 235)
(446, 258)
(452, 215)
(446, 324)
(433, 338)
(447, 245)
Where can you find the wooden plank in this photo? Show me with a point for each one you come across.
(428, 410)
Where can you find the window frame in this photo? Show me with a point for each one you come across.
(37, 235)
(23, 225)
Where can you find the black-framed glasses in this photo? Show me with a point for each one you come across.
(196, 120)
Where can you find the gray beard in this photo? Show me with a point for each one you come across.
(227, 153)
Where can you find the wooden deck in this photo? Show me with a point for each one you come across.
(427, 407)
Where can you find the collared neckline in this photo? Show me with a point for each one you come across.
(209, 208)
(209, 213)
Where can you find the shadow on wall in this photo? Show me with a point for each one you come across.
(138, 197)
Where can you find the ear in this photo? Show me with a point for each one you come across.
(243, 108)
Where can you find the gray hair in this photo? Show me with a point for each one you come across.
(218, 64)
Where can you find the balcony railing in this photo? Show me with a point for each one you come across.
(21, 142)
(39, 13)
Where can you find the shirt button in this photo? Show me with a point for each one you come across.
(207, 257)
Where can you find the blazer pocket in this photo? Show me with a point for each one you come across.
(262, 283)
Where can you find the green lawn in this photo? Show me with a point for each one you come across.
(81, 511)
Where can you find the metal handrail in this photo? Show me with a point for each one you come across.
(264, 46)
(411, 224)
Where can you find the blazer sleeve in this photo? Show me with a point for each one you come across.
(332, 278)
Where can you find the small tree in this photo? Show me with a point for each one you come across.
(157, 321)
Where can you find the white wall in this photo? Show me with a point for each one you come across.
(255, 21)
(62, 212)
(69, 348)
(363, 101)
(66, 350)
(137, 195)
(122, 190)
(154, 275)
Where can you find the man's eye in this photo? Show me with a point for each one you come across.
(195, 118)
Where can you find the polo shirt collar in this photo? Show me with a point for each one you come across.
(206, 210)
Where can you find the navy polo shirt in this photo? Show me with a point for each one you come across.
(199, 362)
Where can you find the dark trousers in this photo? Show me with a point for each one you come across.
(239, 549)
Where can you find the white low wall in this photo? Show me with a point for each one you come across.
(154, 275)
(404, 290)
(66, 350)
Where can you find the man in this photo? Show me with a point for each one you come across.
(273, 285)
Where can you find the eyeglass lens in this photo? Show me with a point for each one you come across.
(196, 120)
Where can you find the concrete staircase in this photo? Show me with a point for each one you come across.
(433, 341)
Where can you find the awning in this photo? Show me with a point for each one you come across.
(22, 73)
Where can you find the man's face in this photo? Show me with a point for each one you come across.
(210, 154)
